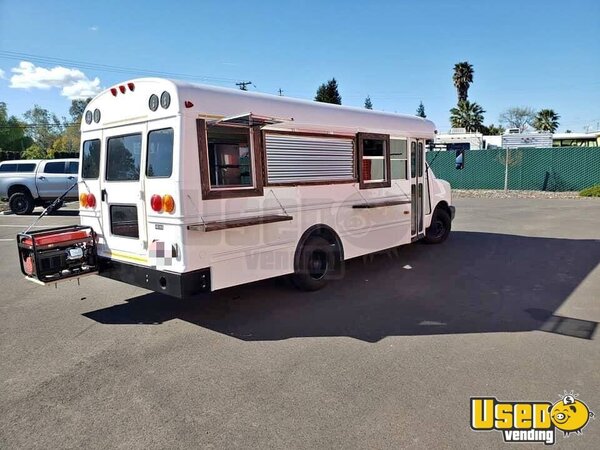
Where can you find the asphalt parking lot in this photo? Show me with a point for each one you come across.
(387, 358)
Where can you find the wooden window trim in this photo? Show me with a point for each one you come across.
(360, 137)
(257, 171)
(307, 134)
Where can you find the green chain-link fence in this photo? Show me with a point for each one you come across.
(542, 169)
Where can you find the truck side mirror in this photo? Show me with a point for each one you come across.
(460, 159)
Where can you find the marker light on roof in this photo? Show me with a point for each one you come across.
(165, 99)
(113, 91)
(153, 102)
(131, 86)
(122, 89)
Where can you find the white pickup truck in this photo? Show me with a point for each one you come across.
(34, 182)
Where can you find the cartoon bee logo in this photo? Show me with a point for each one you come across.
(569, 414)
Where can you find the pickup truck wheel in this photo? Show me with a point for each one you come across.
(21, 203)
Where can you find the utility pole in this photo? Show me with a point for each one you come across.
(280, 92)
(243, 85)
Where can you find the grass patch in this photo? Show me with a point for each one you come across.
(593, 191)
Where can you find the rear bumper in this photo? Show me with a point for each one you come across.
(452, 212)
(180, 285)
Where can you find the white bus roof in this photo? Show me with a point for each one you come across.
(214, 103)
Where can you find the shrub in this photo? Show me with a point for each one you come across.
(593, 191)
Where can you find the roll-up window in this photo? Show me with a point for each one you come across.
(299, 159)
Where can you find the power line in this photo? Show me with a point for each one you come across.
(40, 125)
(109, 68)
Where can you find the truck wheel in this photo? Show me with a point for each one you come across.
(21, 203)
(316, 264)
(439, 229)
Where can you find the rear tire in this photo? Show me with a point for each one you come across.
(440, 227)
(316, 264)
(21, 203)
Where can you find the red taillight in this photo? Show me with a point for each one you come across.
(122, 89)
(188, 104)
(87, 200)
(156, 203)
(131, 86)
(91, 201)
(113, 91)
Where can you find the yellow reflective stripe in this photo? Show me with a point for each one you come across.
(128, 256)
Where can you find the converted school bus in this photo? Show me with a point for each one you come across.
(192, 188)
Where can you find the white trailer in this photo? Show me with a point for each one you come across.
(193, 188)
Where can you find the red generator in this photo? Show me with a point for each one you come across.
(55, 254)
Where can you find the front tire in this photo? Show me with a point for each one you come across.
(440, 227)
(316, 264)
(21, 203)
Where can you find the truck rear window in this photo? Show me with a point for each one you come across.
(124, 221)
(91, 159)
(160, 153)
(123, 158)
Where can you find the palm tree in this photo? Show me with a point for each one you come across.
(546, 120)
(467, 115)
(462, 78)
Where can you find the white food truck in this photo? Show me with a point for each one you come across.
(187, 188)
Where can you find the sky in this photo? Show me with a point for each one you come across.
(536, 53)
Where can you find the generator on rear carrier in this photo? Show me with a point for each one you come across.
(56, 254)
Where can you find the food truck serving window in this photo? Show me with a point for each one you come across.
(229, 158)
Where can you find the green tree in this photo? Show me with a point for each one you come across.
(43, 127)
(328, 93)
(77, 108)
(421, 111)
(12, 132)
(34, 151)
(462, 78)
(69, 139)
(467, 115)
(520, 117)
(368, 103)
(492, 130)
(546, 120)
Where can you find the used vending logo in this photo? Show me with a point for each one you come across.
(530, 421)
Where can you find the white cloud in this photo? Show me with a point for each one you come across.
(74, 84)
(1, 74)
(94, 28)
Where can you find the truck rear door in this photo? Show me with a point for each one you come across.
(122, 194)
